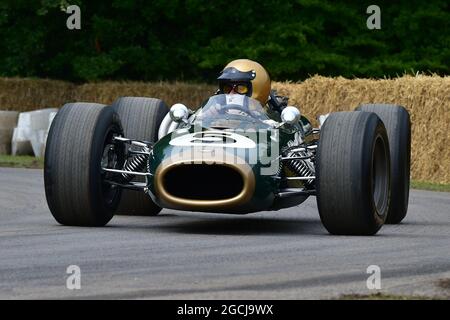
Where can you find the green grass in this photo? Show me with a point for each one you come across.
(431, 186)
(37, 163)
(21, 162)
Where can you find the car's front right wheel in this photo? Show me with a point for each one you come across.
(79, 143)
(353, 173)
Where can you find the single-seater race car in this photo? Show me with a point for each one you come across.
(232, 155)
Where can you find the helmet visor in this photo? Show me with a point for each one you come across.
(240, 88)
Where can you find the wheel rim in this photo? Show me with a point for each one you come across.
(380, 176)
(111, 158)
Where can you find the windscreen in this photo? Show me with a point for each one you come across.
(233, 111)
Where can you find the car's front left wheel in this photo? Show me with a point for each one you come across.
(353, 173)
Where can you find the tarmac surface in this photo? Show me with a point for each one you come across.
(187, 255)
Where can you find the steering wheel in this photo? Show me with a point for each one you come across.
(224, 109)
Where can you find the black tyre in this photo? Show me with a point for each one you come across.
(74, 187)
(140, 118)
(398, 126)
(353, 173)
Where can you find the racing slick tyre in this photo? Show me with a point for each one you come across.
(140, 118)
(73, 178)
(398, 126)
(353, 173)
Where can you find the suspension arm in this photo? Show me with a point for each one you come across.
(138, 186)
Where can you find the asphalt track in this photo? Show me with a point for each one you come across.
(187, 255)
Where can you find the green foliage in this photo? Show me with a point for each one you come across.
(194, 39)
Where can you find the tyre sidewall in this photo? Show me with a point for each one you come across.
(108, 122)
(379, 217)
(398, 126)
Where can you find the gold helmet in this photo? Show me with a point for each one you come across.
(244, 71)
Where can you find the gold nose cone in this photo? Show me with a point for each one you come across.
(216, 158)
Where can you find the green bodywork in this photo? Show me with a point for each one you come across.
(267, 185)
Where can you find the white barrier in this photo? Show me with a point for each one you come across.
(31, 133)
(8, 121)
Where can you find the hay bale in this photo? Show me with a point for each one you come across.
(22, 95)
(106, 92)
(427, 99)
(8, 121)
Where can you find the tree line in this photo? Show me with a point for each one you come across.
(193, 39)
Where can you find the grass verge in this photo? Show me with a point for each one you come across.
(431, 186)
(21, 162)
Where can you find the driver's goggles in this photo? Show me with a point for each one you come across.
(241, 88)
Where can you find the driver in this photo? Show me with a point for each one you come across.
(245, 77)
(248, 78)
